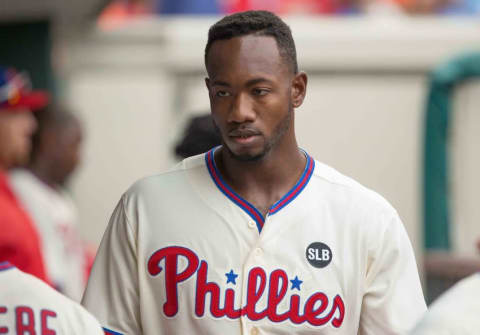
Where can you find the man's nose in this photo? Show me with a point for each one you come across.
(241, 109)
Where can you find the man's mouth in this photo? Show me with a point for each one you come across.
(243, 133)
(243, 136)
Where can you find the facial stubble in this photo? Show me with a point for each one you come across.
(278, 133)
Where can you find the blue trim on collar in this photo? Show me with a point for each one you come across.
(6, 265)
(230, 193)
(247, 206)
(109, 331)
(297, 188)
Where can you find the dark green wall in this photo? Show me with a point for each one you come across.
(27, 46)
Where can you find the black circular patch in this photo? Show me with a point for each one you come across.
(319, 254)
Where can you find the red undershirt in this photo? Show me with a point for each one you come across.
(19, 241)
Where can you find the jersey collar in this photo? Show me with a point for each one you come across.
(6, 266)
(244, 204)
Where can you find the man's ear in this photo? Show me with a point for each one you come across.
(299, 89)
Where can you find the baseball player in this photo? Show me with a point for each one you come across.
(456, 311)
(40, 188)
(29, 306)
(254, 236)
(19, 240)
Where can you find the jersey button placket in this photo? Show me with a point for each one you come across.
(252, 261)
(243, 318)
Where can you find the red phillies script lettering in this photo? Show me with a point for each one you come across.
(317, 310)
(172, 278)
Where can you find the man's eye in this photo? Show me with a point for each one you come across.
(260, 91)
(222, 94)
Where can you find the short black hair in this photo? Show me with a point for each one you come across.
(199, 136)
(258, 22)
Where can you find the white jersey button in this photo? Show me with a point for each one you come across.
(258, 251)
(254, 331)
(252, 224)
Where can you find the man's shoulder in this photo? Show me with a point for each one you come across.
(466, 291)
(27, 186)
(23, 177)
(32, 288)
(38, 294)
(170, 180)
(456, 311)
(349, 189)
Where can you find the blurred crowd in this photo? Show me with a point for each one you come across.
(122, 9)
(40, 148)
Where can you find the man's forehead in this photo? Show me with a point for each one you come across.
(251, 42)
(249, 52)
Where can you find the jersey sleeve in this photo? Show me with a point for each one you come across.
(112, 293)
(84, 323)
(393, 299)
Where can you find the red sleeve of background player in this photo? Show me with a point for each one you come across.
(19, 241)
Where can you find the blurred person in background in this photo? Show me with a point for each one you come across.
(19, 241)
(199, 136)
(41, 189)
(31, 307)
(456, 311)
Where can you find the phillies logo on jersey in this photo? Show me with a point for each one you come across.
(317, 310)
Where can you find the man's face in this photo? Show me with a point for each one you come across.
(16, 129)
(250, 90)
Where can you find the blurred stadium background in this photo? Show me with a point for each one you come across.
(393, 99)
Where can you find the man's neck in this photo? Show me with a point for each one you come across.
(265, 181)
(41, 170)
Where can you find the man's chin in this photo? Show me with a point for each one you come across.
(246, 156)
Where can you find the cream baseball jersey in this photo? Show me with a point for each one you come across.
(55, 218)
(455, 312)
(28, 306)
(185, 254)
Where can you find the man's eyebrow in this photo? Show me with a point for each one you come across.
(220, 83)
(251, 82)
(259, 80)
